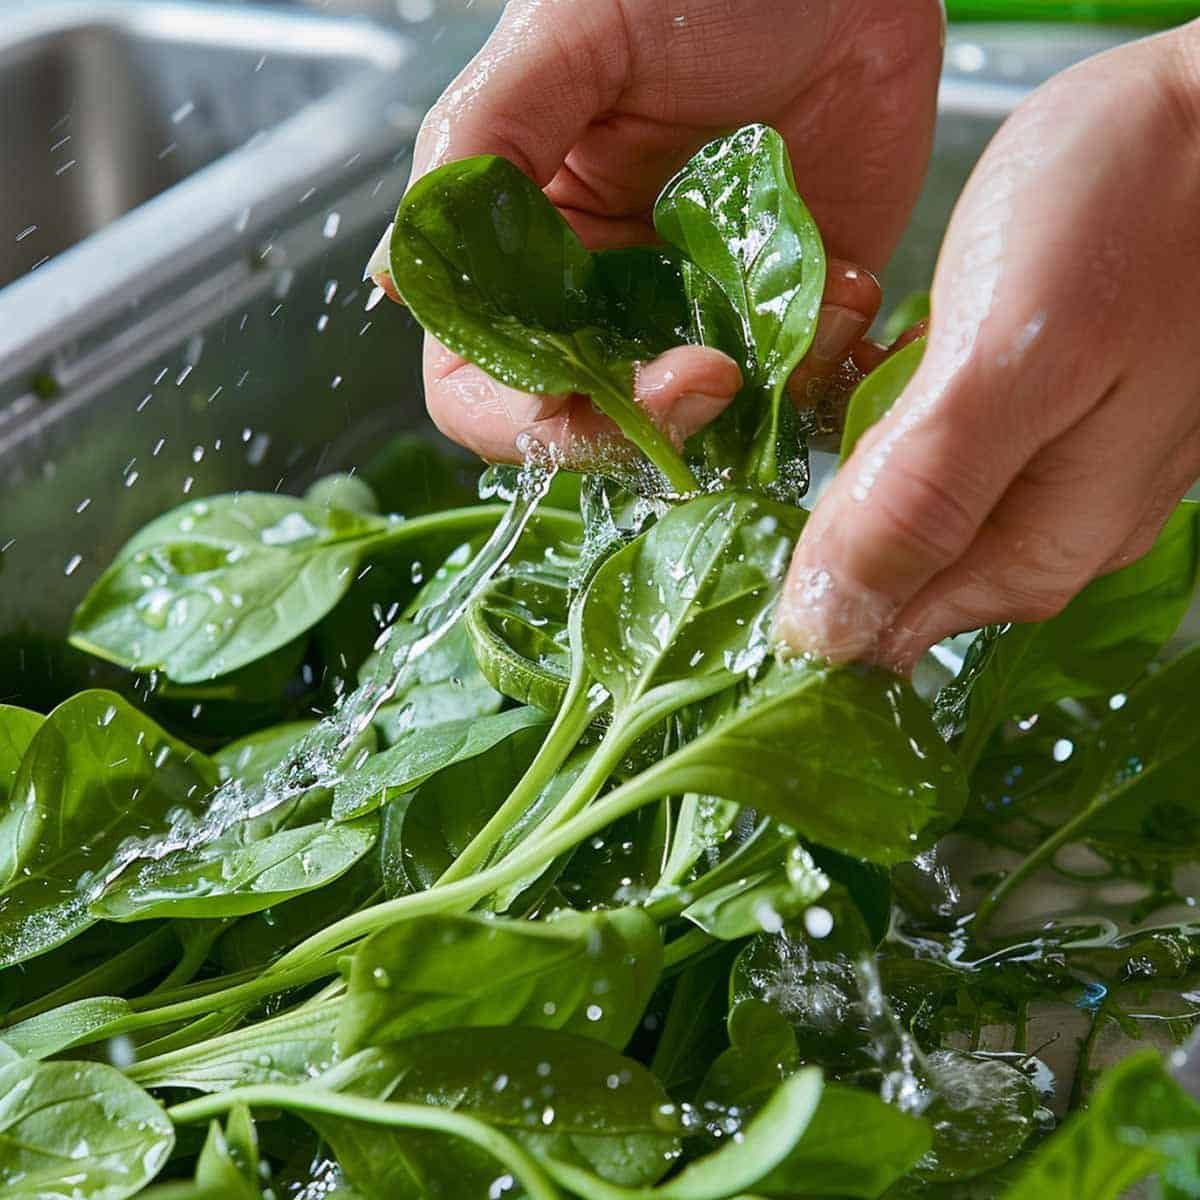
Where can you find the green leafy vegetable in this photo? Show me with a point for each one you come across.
(77, 1129)
(95, 773)
(588, 973)
(879, 391)
(735, 213)
(488, 265)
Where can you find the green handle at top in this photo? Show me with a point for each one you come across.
(1098, 12)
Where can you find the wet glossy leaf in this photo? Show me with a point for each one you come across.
(1137, 785)
(878, 392)
(855, 1145)
(982, 1116)
(61, 1028)
(17, 727)
(423, 751)
(229, 878)
(691, 597)
(561, 1096)
(77, 1129)
(220, 583)
(489, 267)
(848, 758)
(1122, 1137)
(735, 212)
(588, 973)
(291, 1048)
(95, 773)
(425, 833)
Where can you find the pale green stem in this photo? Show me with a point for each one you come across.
(536, 1183)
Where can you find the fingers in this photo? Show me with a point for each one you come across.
(1092, 490)
(682, 390)
(529, 94)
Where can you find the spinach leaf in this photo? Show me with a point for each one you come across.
(760, 901)
(913, 308)
(879, 391)
(786, 752)
(855, 1145)
(228, 877)
(1096, 646)
(426, 832)
(421, 752)
(691, 597)
(735, 212)
(768, 1139)
(588, 973)
(259, 939)
(77, 1129)
(1135, 790)
(762, 1053)
(561, 1096)
(828, 1160)
(61, 1028)
(518, 630)
(445, 684)
(1140, 780)
(285, 1049)
(95, 773)
(228, 1164)
(1123, 1136)
(982, 1115)
(490, 268)
(17, 727)
(217, 584)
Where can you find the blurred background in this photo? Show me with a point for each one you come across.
(190, 192)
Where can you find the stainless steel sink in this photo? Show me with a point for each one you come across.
(104, 106)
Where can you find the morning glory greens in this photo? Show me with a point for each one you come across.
(434, 848)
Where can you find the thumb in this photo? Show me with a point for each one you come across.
(546, 71)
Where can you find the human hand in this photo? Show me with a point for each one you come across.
(1055, 420)
(601, 101)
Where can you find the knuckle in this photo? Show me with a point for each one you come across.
(925, 513)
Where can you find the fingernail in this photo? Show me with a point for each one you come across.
(693, 411)
(380, 260)
(838, 329)
(820, 615)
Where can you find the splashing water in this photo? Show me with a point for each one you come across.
(320, 758)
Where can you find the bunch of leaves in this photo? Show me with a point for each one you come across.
(578, 891)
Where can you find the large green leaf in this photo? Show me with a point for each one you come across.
(691, 597)
(849, 758)
(217, 584)
(229, 877)
(489, 267)
(588, 973)
(96, 773)
(561, 1096)
(80, 1130)
(734, 210)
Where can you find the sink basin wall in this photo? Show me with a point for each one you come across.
(104, 106)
